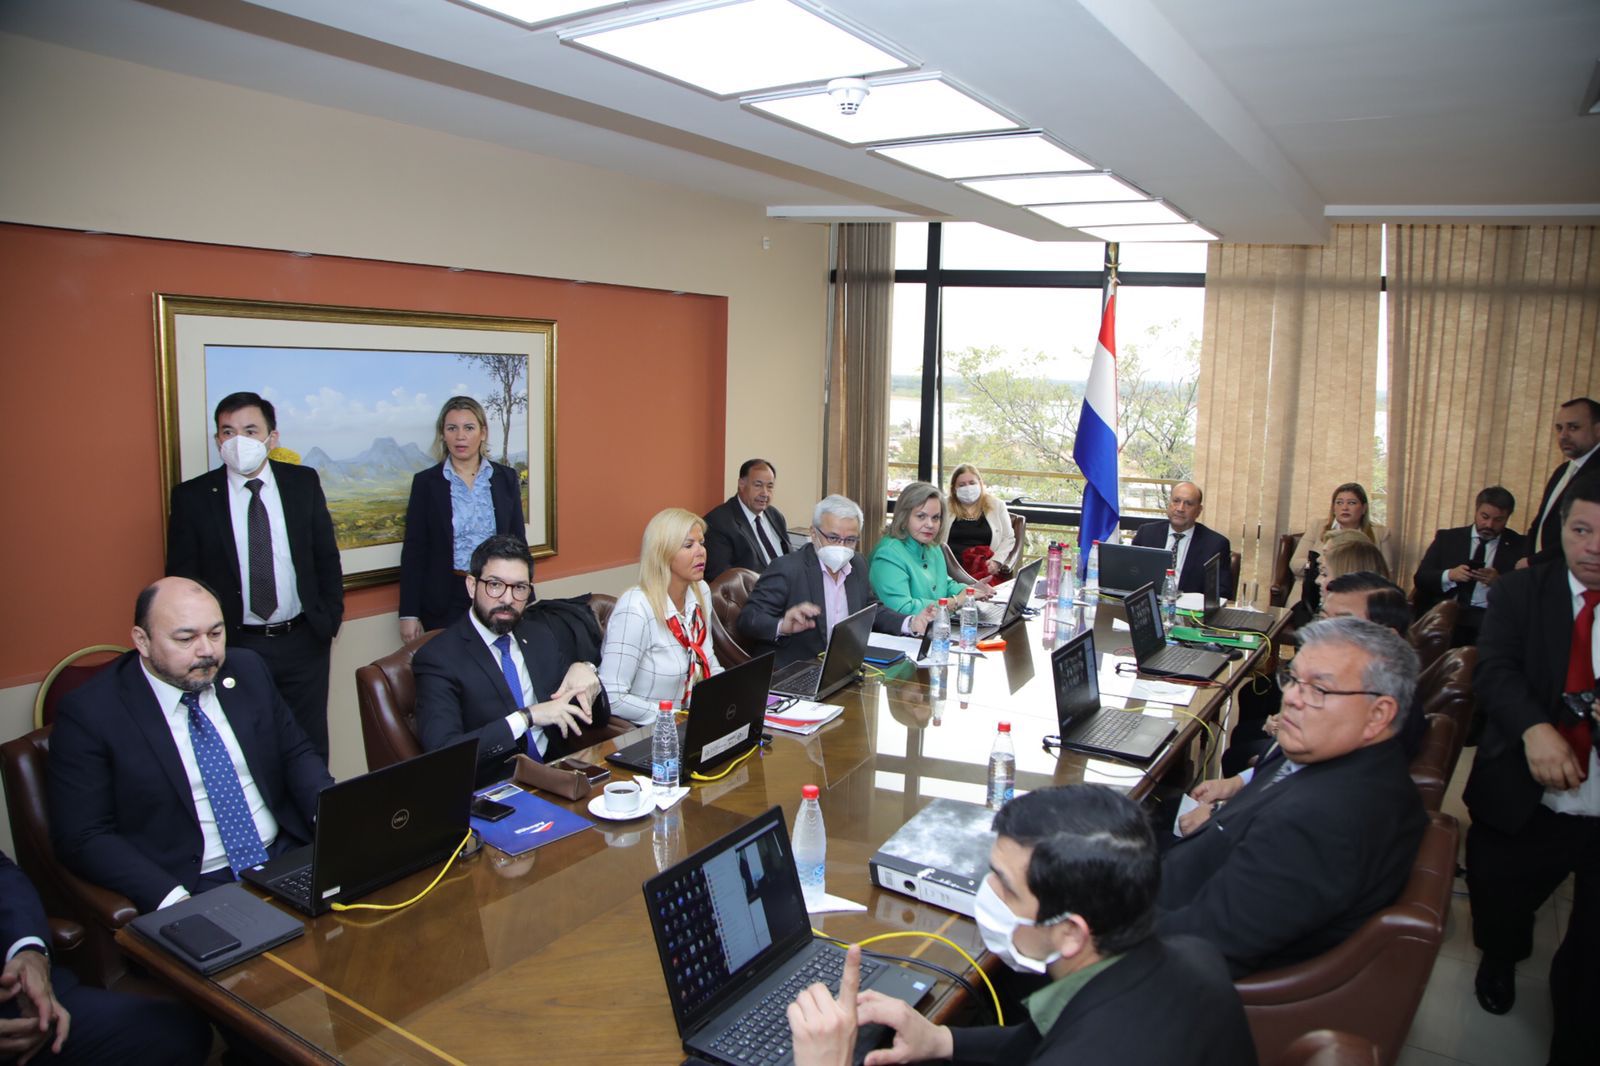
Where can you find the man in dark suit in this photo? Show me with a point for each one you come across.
(1070, 895)
(258, 532)
(1321, 838)
(1191, 543)
(1464, 562)
(804, 594)
(519, 678)
(1534, 793)
(1577, 435)
(45, 1013)
(745, 530)
(180, 765)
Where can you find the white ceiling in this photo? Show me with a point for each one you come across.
(1263, 119)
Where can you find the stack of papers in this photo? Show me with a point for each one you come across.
(804, 717)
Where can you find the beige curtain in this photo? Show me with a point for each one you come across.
(1491, 328)
(1288, 387)
(855, 432)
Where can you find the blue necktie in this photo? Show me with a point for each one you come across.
(234, 823)
(509, 668)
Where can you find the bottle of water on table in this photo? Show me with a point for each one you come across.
(939, 638)
(810, 843)
(1091, 573)
(664, 750)
(1169, 603)
(1002, 767)
(969, 620)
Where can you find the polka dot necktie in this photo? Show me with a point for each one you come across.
(234, 823)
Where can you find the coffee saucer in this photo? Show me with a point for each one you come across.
(597, 807)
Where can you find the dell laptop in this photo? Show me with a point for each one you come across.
(1085, 725)
(1124, 567)
(725, 713)
(847, 650)
(1150, 645)
(993, 617)
(736, 946)
(375, 829)
(1239, 619)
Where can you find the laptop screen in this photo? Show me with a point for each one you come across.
(723, 913)
(1213, 586)
(847, 646)
(1127, 566)
(1077, 679)
(1021, 590)
(1144, 622)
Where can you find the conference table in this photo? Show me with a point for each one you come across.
(549, 956)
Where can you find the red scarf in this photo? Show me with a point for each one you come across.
(695, 644)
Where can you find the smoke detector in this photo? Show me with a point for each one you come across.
(848, 93)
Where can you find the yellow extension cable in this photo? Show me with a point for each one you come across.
(413, 899)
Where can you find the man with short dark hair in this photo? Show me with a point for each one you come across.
(258, 532)
(1190, 543)
(516, 674)
(1534, 793)
(1464, 562)
(745, 530)
(1070, 895)
(1577, 435)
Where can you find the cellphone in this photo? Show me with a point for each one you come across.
(200, 937)
(594, 773)
(490, 810)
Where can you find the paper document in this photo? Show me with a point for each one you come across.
(1142, 688)
(1192, 601)
(804, 717)
(1185, 805)
(832, 904)
(892, 643)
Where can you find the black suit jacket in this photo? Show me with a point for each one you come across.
(731, 542)
(1168, 1001)
(1453, 547)
(21, 911)
(121, 812)
(797, 578)
(1206, 543)
(462, 693)
(1547, 538)
(1522, 670)
(1285, 873)
(200, 544)
(427, 558)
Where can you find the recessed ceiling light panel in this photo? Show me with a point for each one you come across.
(534, 12)
(976, 157)
(739, 47)
(894, 110)
(1057, 189)
(1188, 231)
(1125, 213)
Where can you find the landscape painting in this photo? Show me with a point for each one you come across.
(357, 394)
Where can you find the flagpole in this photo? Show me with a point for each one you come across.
(1095, 446)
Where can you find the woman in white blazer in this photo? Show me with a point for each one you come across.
(974, 516)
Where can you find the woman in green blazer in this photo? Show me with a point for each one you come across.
(908, 571)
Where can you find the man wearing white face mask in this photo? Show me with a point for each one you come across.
(258, 532)
(1071, 895)
(803, 595)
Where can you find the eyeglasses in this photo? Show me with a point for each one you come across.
(497, 588)
(1314, 696)
(833, 538)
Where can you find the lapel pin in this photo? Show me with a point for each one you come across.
(227, 682)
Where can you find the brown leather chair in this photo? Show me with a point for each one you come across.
(728, 595)
(1019, 528)
(98, 912)
(1432, 633)
(1433, 764)
(1282, 579)
(1371, 984)
(602, 605)
(1232, 591)
(67, 675)
(1446, 689)
(1324, 1047)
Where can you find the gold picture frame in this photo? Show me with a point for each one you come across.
(341, 375)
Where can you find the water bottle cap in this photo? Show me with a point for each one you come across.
(1171, 572)
(1005, 727)
(810, 792)
(944, 601)
(664, 705)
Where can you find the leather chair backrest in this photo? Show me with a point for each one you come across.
(602, 605)
(1435, 761)
(1324, 1047)
(1446, 689)
(728, 595)
(1431, 634)
(1232, 591)
(953, 567)
(1019, 529)
(1372, 983)
(1282, 579)
(386, 692)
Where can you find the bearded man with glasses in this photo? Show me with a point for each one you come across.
(1325, 833)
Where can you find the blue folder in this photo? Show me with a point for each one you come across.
(537, 822)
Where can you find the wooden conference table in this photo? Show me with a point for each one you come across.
(548, 957)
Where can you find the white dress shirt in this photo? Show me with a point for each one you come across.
(1585, 799)
(518, 724)
(214, 855)
(772, 532)
(27, 942)
(282, 561)
(641, 662)
(1480, 595)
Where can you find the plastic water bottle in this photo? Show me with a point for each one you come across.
(969, 620)
(939, 641)
(664, 749)
(1091, 573)
(1002, 768)
(1064, 592)
(810, 843)
(1169, 603)
(1052, 571)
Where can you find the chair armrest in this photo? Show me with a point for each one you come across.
(110, 909)
(65, 935)
(1340, 966)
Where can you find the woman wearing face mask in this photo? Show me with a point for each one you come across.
(908, 571)
(658, 639)
(1347, 512)
(455, 505)
(974, 518)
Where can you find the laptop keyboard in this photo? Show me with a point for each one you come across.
(1181, 660)
(761, 1036)
(1109, 729)
(1239, 618)
(296, 887)
(805, 679)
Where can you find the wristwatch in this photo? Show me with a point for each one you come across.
(527, 718)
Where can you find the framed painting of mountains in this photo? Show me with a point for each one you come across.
(357, 393)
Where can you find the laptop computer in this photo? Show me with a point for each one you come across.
(1150, 645)
(847, 649)
(1124, 567)
(725, 712)
(736, 946)
(1087, 726)
(1217, 616)
(992, 616)
(375, 829)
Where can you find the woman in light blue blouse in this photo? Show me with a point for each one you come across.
(455, 506)
(908, 568)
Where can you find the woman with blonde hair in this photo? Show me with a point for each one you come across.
(456, 504)
(908, 572)
(975, 518)
(1347, 510)
(1349, 552)
(658, 639)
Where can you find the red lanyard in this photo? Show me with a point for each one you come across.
(698, 663)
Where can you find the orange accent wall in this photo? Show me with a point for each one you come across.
(641, 392)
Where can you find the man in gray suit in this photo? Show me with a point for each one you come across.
(803, 595)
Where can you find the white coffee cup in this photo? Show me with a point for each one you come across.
(622, 796)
